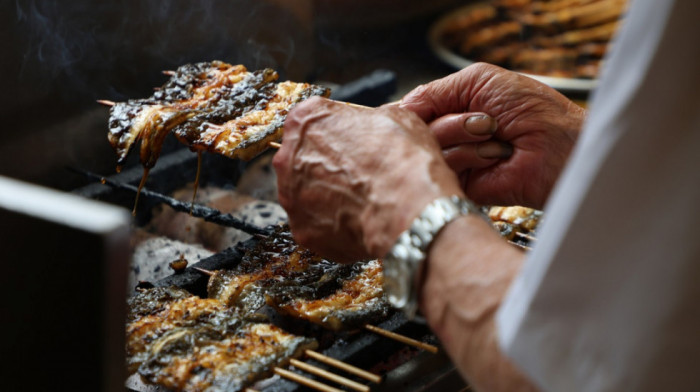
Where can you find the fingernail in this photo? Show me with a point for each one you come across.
(480, 125)
(494, 150)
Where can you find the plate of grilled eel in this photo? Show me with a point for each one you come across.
(561, 43)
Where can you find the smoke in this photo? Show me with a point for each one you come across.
(82, 49)
(59, 40)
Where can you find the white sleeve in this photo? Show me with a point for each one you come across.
(609, 299)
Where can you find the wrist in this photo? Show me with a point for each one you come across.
(404, 262)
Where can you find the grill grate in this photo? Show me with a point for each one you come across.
(405, 368)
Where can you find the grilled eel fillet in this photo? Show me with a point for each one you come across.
(186, 343)
(359, 300)
(296, 282)
(514, 219)
(210, 106)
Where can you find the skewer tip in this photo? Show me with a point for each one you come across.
(375, 378)
(275, 145)
(169, 72)
(403, 339)
(205, 271)
(303, 366)
(526, 236)
(521, 246)
(106, 102)
(299, 379)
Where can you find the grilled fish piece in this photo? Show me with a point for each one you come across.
(187, 343)
(274, 263)
(192, 88)
(297, 282)
(162, 314)
(247, 135)
(198, 359)
(358, 301)
(153, 301)
(142, 120)
(524, 219)
(198, 101)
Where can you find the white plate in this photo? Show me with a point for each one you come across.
(569, 85)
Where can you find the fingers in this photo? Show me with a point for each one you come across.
(451, 94)
(454, 129)
(476, 155)
(464, 139)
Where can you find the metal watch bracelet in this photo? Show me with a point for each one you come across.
(404, 262)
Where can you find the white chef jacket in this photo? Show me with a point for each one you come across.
(609, 299)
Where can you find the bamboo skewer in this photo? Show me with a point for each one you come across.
(328, 375)
(305, 381)
(402, 339)
(344, 366)
(106, 102)
(169, 73)
(275, 145)
(521, 246)
(525, 236)
(204, 271)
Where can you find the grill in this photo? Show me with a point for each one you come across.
(404, 367)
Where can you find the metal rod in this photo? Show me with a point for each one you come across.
(207, 213)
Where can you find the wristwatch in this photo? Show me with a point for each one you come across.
(404, 263)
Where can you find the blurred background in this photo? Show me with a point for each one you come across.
(59, 57)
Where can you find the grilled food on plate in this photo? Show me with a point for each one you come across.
(561, 38)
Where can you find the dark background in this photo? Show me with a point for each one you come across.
(60, 56)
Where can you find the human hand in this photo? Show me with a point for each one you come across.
(516, 162)
(352, 179)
